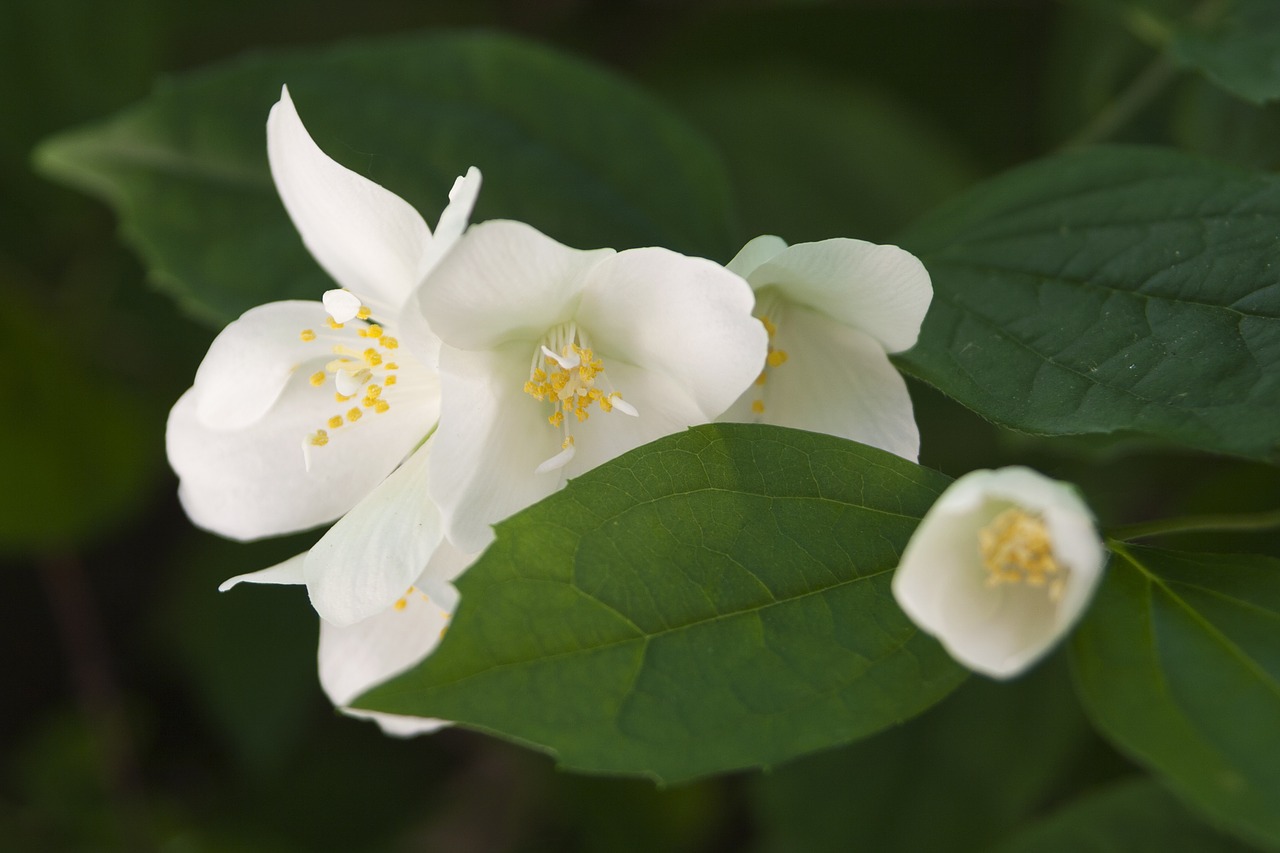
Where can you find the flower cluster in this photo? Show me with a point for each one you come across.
(455, 377)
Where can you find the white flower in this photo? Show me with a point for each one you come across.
(555, 360)
(301, 411)
(834, 310)
(1000, 568)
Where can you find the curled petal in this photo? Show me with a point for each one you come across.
(367, 238)
(882, 290)
(288, 573)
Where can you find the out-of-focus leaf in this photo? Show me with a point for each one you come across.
(1178, 662)
(1135, 816)
(982, 760)
(811, 158)
(717, 599)
(1210, 121)
(1113, 289)
(1237, 50)
(564, 145)
(80, 447)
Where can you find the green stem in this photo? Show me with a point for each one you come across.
(1199, 523)
(1150, 82)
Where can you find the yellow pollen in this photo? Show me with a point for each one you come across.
(390, 342)
(372, 392)
(381, 406)
(391, 365)
(556, 419)
(335, 421)
(319, 438)
(341, 398)
(364, 313)
(1016, 548)
(354, 415)
(757, 406)
(769, 326)
(567, 443)
(317, 378)
(307, 334)
(761, 378)
(390, 380)
(777, 358)
(333, 324)
(372, 356)
(374, 331)
(400, 604)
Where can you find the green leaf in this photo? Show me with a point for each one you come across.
(1237, 52)
(717, 599)
(1178, 663)
(1135, 816)
(984, 759)
(563, 145)
(1113, 289)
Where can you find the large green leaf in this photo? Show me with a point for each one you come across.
(563, 145)
(1178, 662)
(1114, 289)
(1135, 816)
(717, 599)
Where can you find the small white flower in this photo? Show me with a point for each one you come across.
(555, 360)
(306, 412)
(834, 310)
(1000, 568)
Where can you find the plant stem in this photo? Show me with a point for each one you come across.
(1199, 523)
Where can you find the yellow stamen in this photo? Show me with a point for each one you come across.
(319, 438)
(777, 358)
(308, 335)
(317, 378)
(381, 406)
(374, 331)
(372, 357)
(1016, 548)
(390, 380)
(757, 406)
(333, 324)
(364, 313)
(390, 342)
(354, 415)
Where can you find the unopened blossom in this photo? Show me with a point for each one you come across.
(306, 412)
(1000, 568)
(834, 310)
(555, 360)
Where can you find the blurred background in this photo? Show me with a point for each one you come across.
(143, 710)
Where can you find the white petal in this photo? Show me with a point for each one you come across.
(252, 359)
(502, 282)
(836, 380)
(373, 554)
(754, 254)
(252, 482)
(882, 290)
(367, 238)
(357, 657)
(288, 573)
(685, 318)
(342, 305)
(492, 436)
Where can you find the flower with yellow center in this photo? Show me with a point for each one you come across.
(1000, 568)
(306, 412)
(833, 311)
(555, 360)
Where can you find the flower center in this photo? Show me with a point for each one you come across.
(361, 369)
(1016, 548)
(769, 310)
(566, 373)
